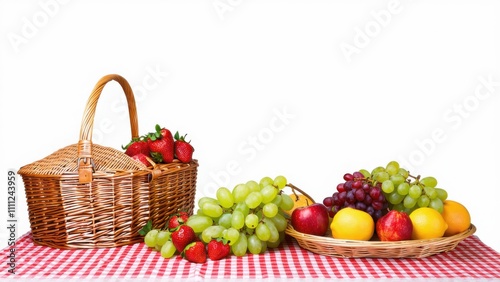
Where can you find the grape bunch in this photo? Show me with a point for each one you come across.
(358, 191)
(386, 188)
(406, 192)
(250, 216)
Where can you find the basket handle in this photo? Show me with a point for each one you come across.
(85, 162)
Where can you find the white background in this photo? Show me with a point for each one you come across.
(307, 89)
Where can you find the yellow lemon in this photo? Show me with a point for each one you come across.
(456, 216)
(299, 200)
(427, 223)
(352, 224)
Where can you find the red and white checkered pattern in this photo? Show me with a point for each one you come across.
(472, 259)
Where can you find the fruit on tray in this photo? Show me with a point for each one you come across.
(456, 216)
(352, 224)
(394, 226)
(250, 218)
(160, 147)
(312, 219)
(428, 223)
(386, 188)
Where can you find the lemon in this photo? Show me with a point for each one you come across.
(352, 224)
(427, 223)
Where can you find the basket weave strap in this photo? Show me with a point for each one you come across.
(85, 162)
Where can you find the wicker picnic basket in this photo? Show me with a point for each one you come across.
(327, 245)
(90, 196)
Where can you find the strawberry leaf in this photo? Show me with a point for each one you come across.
(146, 228)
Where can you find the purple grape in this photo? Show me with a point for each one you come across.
(377, 205)
(361, 206)
(368, 200)
(350, 198)
(375, 193)
(340, 187)
(358, 175)
(348, 185)
(360, 195)
(328, 201)
(348, 177)
(366, 187)
(357, 184)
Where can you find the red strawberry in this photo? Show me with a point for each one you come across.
(161, 145)
(140, 157)
(136, 146)
(218, 249)
(195, 252)
(177, 219)
(183, 150)
(183, 236)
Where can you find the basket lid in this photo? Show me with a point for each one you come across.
(65, 161)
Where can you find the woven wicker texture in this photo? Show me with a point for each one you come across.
(327, 245)
(90, 196)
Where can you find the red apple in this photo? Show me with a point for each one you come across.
(311, 219)
(394, 226)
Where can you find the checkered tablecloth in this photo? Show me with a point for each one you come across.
(470, 260)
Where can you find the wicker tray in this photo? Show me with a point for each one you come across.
(327, 245)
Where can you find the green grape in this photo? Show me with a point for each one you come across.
(225, 197)
(264, 181)
(212, 210)
(442, 194)
(395, 198)
(397, 179)
(262, 231)
(211, 232)
(243, 208)
(286, 202)
(254, 244)
(268, 192)
(264, 247)
(280, 222)
(270, 210)
(231, 235)
(280, 182)
(392, 168)
(403, 188)
(237, 220)
(162, 237)
(423, 201)
(377, 170)
(225, 220)
(381, 176)
(253, 199)
(436, 204)
(277, 200)
(403, 172)
(430, 192)
(204, 200)
(199, 222)
(409, 202)
(415, 191)
(253, 185)
(387, 186)
(365, 173)
(272, 229)
(168, 250)
(240, 192)
(429, 181)
(273, 244)
(239, 248)
(150, 238)
(251, 221)
(398, 207)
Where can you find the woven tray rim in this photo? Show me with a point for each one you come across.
(369, 247)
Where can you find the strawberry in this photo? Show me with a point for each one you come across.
(183, 236)
(195, 252)
(218, 249)
(161, 145)
(183, 149)
(177, 219)
(136, 146)
(140, 157)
